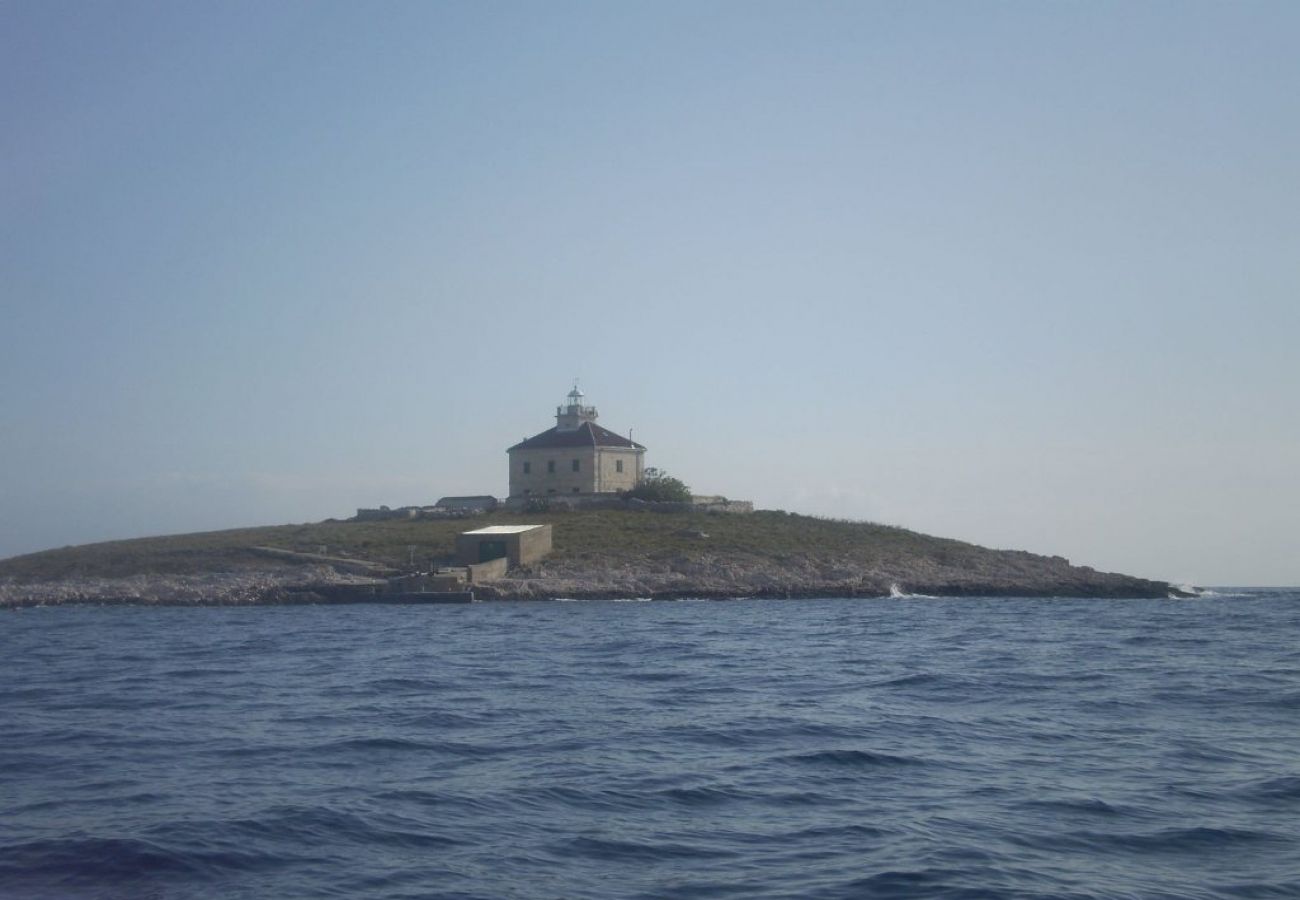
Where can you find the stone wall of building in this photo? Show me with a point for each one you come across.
(611, 480)
(540, 481)
(597, 471)
(533, 545)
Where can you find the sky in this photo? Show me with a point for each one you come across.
(1023, 274)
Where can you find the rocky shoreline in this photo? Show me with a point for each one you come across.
(696, 580)
(728, 577)
(245, 587)
(597, 554)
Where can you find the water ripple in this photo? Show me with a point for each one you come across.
(972, 748)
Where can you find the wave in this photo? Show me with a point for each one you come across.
(703, 796)
(920, 678)
(99, 861)
(1195, 839)
(856, 759)
(643, 851)
(114, 802)
(1089, 806)
(1197, 592)
(1283, 787)
(929, 882)
(1167, 841)
(856, 830)
(1286, 701)
(387, 685)
(897, 593)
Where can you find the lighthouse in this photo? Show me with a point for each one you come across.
(577, 456)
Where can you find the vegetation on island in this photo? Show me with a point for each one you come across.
(613, 535)
(604, 552)
(657, 486)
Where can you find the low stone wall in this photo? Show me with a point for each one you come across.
(567, 501)
(479, 573)
(423, 582)
(614, 501)
(727, 506)
(711, 506)
(384, 513)
(341, 563)
(420, 512)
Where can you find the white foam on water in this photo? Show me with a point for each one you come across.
(897, 593)
(1198, 592)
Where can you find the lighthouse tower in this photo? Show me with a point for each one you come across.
(570, 415)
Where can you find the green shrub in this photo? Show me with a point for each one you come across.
(659, 486)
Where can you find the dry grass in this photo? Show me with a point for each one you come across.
(595, 536)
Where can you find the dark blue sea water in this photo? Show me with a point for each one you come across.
(839, 748)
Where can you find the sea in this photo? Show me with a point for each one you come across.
(850, 748)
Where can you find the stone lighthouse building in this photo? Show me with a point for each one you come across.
(577, 456)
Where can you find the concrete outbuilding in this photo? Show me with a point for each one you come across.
(518, 544)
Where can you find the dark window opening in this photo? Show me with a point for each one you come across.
(550, 466)
(490, 550)
(575, 465)
(528, 468)
(618, 466)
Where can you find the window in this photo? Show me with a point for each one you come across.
(618, 466)
(528, 468)
(550, 490)
(575, 465)
(550, 466)
(527, 491)
(575, 490)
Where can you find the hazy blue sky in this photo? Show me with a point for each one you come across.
(1026, 274)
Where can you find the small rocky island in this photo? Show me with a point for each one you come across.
(597, 553)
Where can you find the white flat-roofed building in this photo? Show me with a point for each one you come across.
(519, 544)
(504, 529)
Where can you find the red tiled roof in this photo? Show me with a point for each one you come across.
(585, 435)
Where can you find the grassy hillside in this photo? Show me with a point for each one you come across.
(594, 537)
